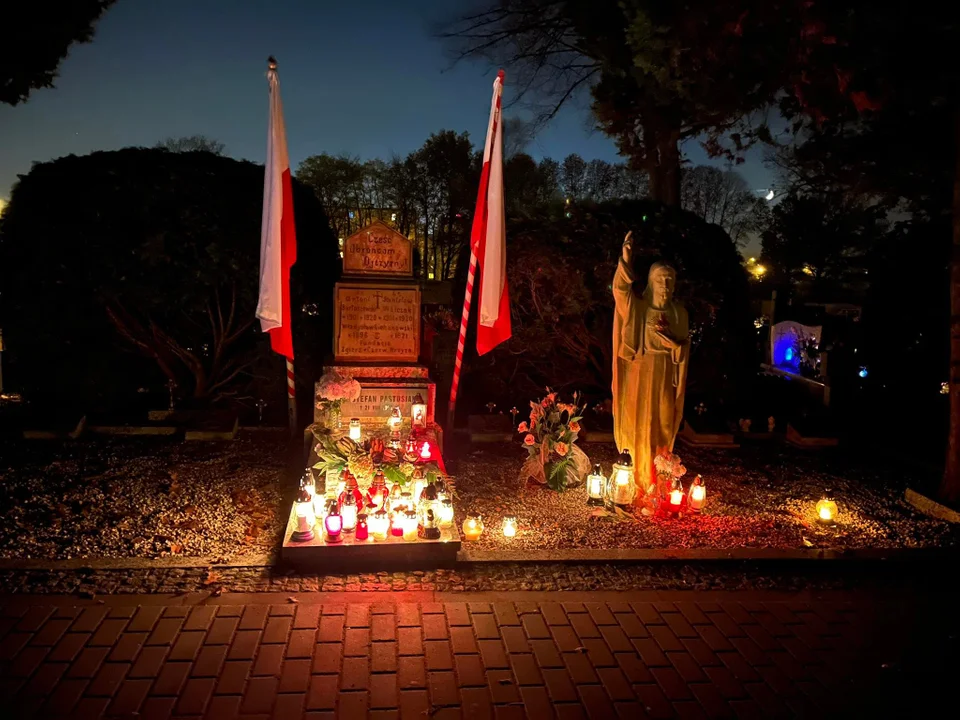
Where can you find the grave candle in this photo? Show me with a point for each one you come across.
(620, 487)
(410, 525)
(349, 512)
(305, 516)
(509, 526)
(362, 529)
(334, 525)
(676, 495)
(380, 525)
(355, 432)
(698, 493)
(595, 482)
(473, 527)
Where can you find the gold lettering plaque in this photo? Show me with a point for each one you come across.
(376, 322)
(377, 249)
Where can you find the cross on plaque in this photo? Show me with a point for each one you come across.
(378, 295)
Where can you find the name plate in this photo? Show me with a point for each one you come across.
(376, 322)
(376, 402)
(377, 249)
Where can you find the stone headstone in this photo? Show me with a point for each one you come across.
(377, 322)
(378, 249)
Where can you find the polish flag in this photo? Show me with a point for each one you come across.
(488, 237)
(278, 241)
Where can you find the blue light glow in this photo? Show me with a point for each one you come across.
(788, 355)
(863, 372)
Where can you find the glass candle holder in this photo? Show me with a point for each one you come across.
(349, 511)
(379, 525)
(698, 493)
(510, 526)
(334, 526)
(306, 518)
(621, 489)
(363, 530)
(472, 527)
(418, 413)
(446, 513)
(410, 525)
(355, 429)
(826, 511)
(676, 496)
(595, 483)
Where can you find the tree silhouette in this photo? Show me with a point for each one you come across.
(36, 37)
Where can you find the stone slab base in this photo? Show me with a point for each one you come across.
(689, 436)
(351, 555)
(810, 443)
(931, 507)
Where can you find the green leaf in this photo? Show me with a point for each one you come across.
(393, 474)
(431, 476)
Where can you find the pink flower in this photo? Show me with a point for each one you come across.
(574, 426)
(561, 449)
(529, 440)
(523, 428)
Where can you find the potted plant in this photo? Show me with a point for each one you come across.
(550, 437)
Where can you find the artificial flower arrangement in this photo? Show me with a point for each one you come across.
(361, 459)
(333, 389)
(668, 468)
(550, 437)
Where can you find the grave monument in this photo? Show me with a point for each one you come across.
(377, 328)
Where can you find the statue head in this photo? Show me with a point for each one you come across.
(661, 281)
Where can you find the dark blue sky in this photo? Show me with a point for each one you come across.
(364, 77)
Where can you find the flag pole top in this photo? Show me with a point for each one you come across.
(272, 63)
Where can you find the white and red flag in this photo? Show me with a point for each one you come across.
(278, 241)
(488, 238)
(488, 246)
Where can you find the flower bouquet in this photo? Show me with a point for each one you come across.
(550, 437)
(333, 389)
(668, 468)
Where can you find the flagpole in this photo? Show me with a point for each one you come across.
(291, 398)
(464, 320)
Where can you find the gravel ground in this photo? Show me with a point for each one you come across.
(761, 496)
(143, 497)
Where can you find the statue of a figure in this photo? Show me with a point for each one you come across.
(651, 352)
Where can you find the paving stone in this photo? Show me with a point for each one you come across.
(200, 617)
(506, 613)
(502, 687)
(414, 704)
(741, 669)
(358, 616)
(479, 608)
(327, 658)
(221, 631)
(457, 614)
(565, 638)
(560, 686)
(244, 645)
(615, 683)
(583, 626)
(51, 632)
(233, 677)
(383, 657)
(442, 687)
(665, 638)
(409, 641)
(269, 660)
(411, 672)
(616, 639)
(307, 616)
(470, 670)
(485, 627)
(187, 645)
(88, 621)
(384, 691)
(127, 647)
(277, 630)
(209, 661)
(647, 613)
(515, 640)
(89, 662)
(323, 693)
(726, 683)
(165, 631)
(383, 627)
(408, 615)
(554, 614)
(525, 670)
(601, 614)
(334, 609)
(195, 696)
(64, 698)
(145, 619)
(475, 703)
(435, 627)
(28, 660)
(353, 704)
(671, 683)
(355, 674)
(536, 703)
(654, 702)
(171, 678)
(438, 655)
(176, 611)
(679, 626)
(633, 668)
(254, 617)
(580, 669)
(331, 628)
(463, 641)
(357, 642)
(492, 654)
(301, 643)
(595, 702)
(546, 653)
(260, 695)
(650, 652)
(712, 700)
(693, 614)
(224, 706)
(289, 706)
(129, 698)
(108, 679)
(34, 618)
(599, 654)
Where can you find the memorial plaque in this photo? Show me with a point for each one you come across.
(377, 249)
(377, 322)
(376, 402)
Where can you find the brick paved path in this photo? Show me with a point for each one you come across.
(630, 655)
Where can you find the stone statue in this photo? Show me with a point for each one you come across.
(651, 349)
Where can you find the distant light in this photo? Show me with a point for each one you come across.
(568, 215)
(393, 217)
(788, 355)
(758, 271)
(864, 372)
(751, 260)
(808, 269)
(351, 214)
(945, 388)
(644, 218)
(429, 276)
(770, 195)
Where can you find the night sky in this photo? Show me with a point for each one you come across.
(364, 77)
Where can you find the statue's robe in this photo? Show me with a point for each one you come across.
(649, 380)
